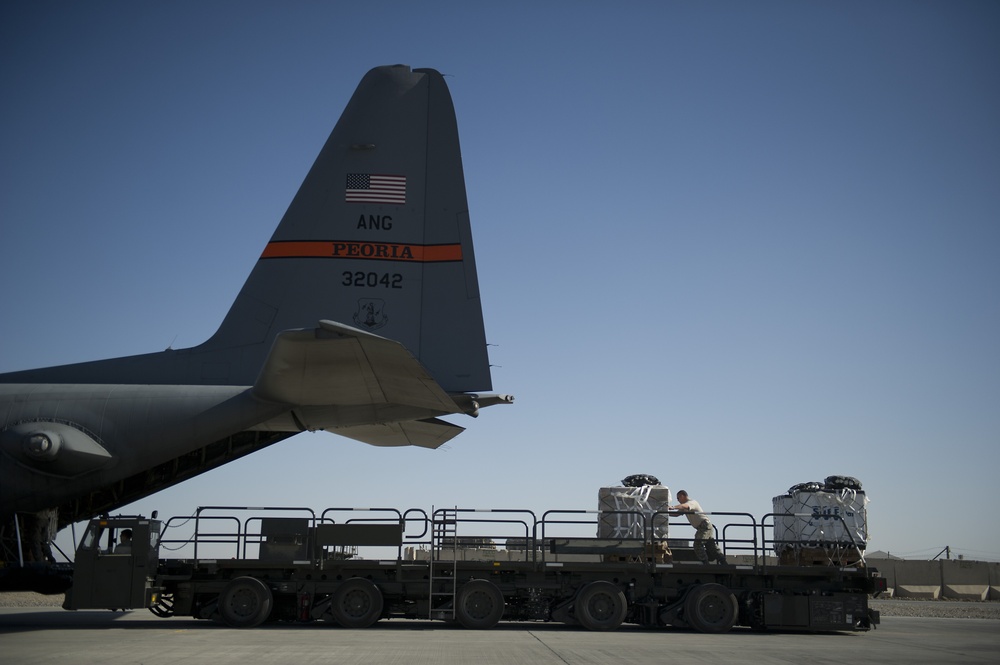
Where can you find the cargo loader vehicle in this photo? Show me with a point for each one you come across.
(354, 567)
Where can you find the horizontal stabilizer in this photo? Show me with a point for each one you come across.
(430, 433)
(336, 364)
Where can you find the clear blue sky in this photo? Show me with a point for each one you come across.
(735, 245)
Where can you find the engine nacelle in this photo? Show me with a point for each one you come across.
(53, 447)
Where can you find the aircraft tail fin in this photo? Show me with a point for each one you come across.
(377, 238)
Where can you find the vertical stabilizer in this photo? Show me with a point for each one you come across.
(377, 238)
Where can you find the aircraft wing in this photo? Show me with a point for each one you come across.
(338, 365)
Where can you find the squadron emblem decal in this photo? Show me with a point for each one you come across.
(370, 314)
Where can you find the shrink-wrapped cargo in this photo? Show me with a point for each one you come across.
(821, 516)
(625, 511)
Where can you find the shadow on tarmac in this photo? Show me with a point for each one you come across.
(21, 621)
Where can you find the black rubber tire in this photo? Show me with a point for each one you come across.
(245, 602)
(600, 606)
(479, 605)
(357, 603)
(842, 482)
(164, 607)
(711, 608)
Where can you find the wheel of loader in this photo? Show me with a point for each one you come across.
(600, 606)
(479, 604)
(711, 608)
(245, 602)
(357, 603)
(164, 607)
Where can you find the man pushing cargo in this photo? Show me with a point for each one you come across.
(705, 547)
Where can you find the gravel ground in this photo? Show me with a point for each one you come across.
(939, 609)
(29, 599)
(894, 607)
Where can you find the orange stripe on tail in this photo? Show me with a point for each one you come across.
(352, 249)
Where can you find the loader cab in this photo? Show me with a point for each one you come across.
(104, 578)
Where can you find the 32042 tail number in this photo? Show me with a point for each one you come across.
(373, 279)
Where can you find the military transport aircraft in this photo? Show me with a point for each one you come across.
(362, 317)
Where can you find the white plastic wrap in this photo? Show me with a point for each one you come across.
(814, 520)
(624, 510)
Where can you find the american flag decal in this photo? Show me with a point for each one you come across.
(372, 188)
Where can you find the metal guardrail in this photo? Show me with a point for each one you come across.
(521, 530)
(832, 547)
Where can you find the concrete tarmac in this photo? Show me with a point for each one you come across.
(38, 636)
